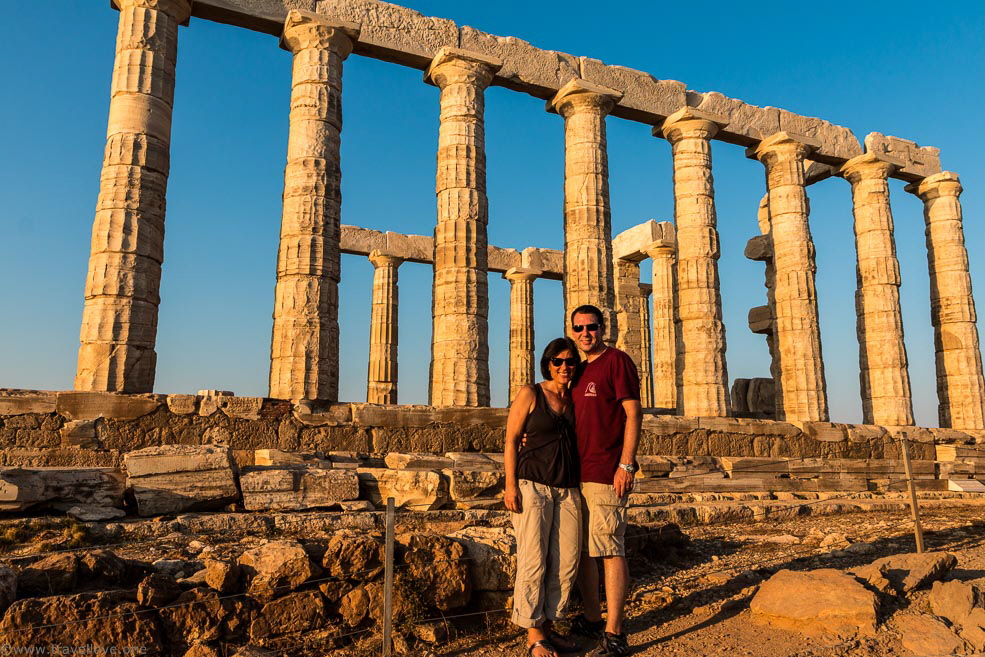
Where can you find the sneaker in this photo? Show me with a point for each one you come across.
(612, 645)
(584, 627)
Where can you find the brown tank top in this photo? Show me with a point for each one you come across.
(550, 454)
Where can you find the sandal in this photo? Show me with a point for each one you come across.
(545, 644)
(563, 643)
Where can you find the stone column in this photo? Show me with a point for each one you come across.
(702, 378)
(664, 328)
(381, 386)
(304, 350)
(460, 340)
(646, 360)
(119, 320)
(960, 386)
(628, 302)
(885, 382)
(588, 275)
(795, 297)
(523, 369)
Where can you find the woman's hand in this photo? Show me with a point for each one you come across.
(513, 499)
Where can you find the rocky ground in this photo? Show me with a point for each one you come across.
(698, 603)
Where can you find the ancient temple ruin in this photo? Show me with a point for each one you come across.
(684, 331)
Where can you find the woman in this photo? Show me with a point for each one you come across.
(542, 492)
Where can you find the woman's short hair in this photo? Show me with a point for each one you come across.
(553, 348)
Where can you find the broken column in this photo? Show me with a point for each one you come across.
(119, 320)
(960, 386)
(885, 381)
(381, 386)
(460, 340)
(629, 311)
(522, 357)
(798, 336)
(702, 377)
(646, 360)
(304, 350)
(588, 276)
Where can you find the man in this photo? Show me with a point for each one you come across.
(607, 419)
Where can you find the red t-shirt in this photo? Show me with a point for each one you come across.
(600, 420)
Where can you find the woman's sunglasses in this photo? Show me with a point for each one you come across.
(570, 362)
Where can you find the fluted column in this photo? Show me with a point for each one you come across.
(381, 386)
(664, 328)
(460, 340)
(629, 300)
(702, 378)
(646, 360)
(795, 296)
(304, 350)
(522, 357)
(883, 375)
(960, 386)
(122, 293)
(588, 275)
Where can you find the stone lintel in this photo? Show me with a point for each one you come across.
(448, 54)
(918, 161)
(759, 248)
(689, 114)
(815, 172)
(646, 289)
(925, 185)
(298, 18)
(580, 86)
(753, 152)
(521, 274)
(634, 243)
(180, 9)
(761, 320)
(867, 159)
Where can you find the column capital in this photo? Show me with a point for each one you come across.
(868, 166)
(945, 183)
(520, 274)
(303, 30)
(453, 65)
(580, 95)
(689, 122)
(660, 249)
(179, 10)
(382, 259)
(783, 142)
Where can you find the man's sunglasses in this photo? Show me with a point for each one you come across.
(570, 362)
(578, 328)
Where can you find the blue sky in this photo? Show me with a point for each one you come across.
(900, 68)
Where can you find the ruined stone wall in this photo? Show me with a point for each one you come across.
(95, 429)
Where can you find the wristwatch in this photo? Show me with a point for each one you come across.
(629, 467)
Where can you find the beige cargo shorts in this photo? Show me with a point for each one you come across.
(603, 520)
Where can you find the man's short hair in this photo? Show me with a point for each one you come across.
(587, 309)
(553, 348)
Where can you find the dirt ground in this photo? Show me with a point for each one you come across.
(699, 603)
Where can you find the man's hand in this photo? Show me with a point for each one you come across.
(622, 482)
(513, 500)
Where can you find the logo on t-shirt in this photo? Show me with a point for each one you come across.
(590, 390)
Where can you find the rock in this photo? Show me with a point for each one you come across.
(49, 576)
(276, 568)
(174, 478)
(431, 632)
(8, 588)
(334, 590)
(834, 540)
(470, 485)
(252, 651)
(954, 600)
(400, 461)
(973, 629)
(354, 606)
(281, 457)
(157, 590)
(174, 567)
(352, 506)
(292, 614)
(434, 564)
(91, 512)
(82, 621)
(492, 556)
(199, 616)
(21, 488)
(354, 556)
(79, 433)
(875, 577)
(102, 566)
(926, 635)
(419, 490)
(192, 581)
(838, 604)
(222, 575)
(201, 650)
(908, 572)
(279, 488)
